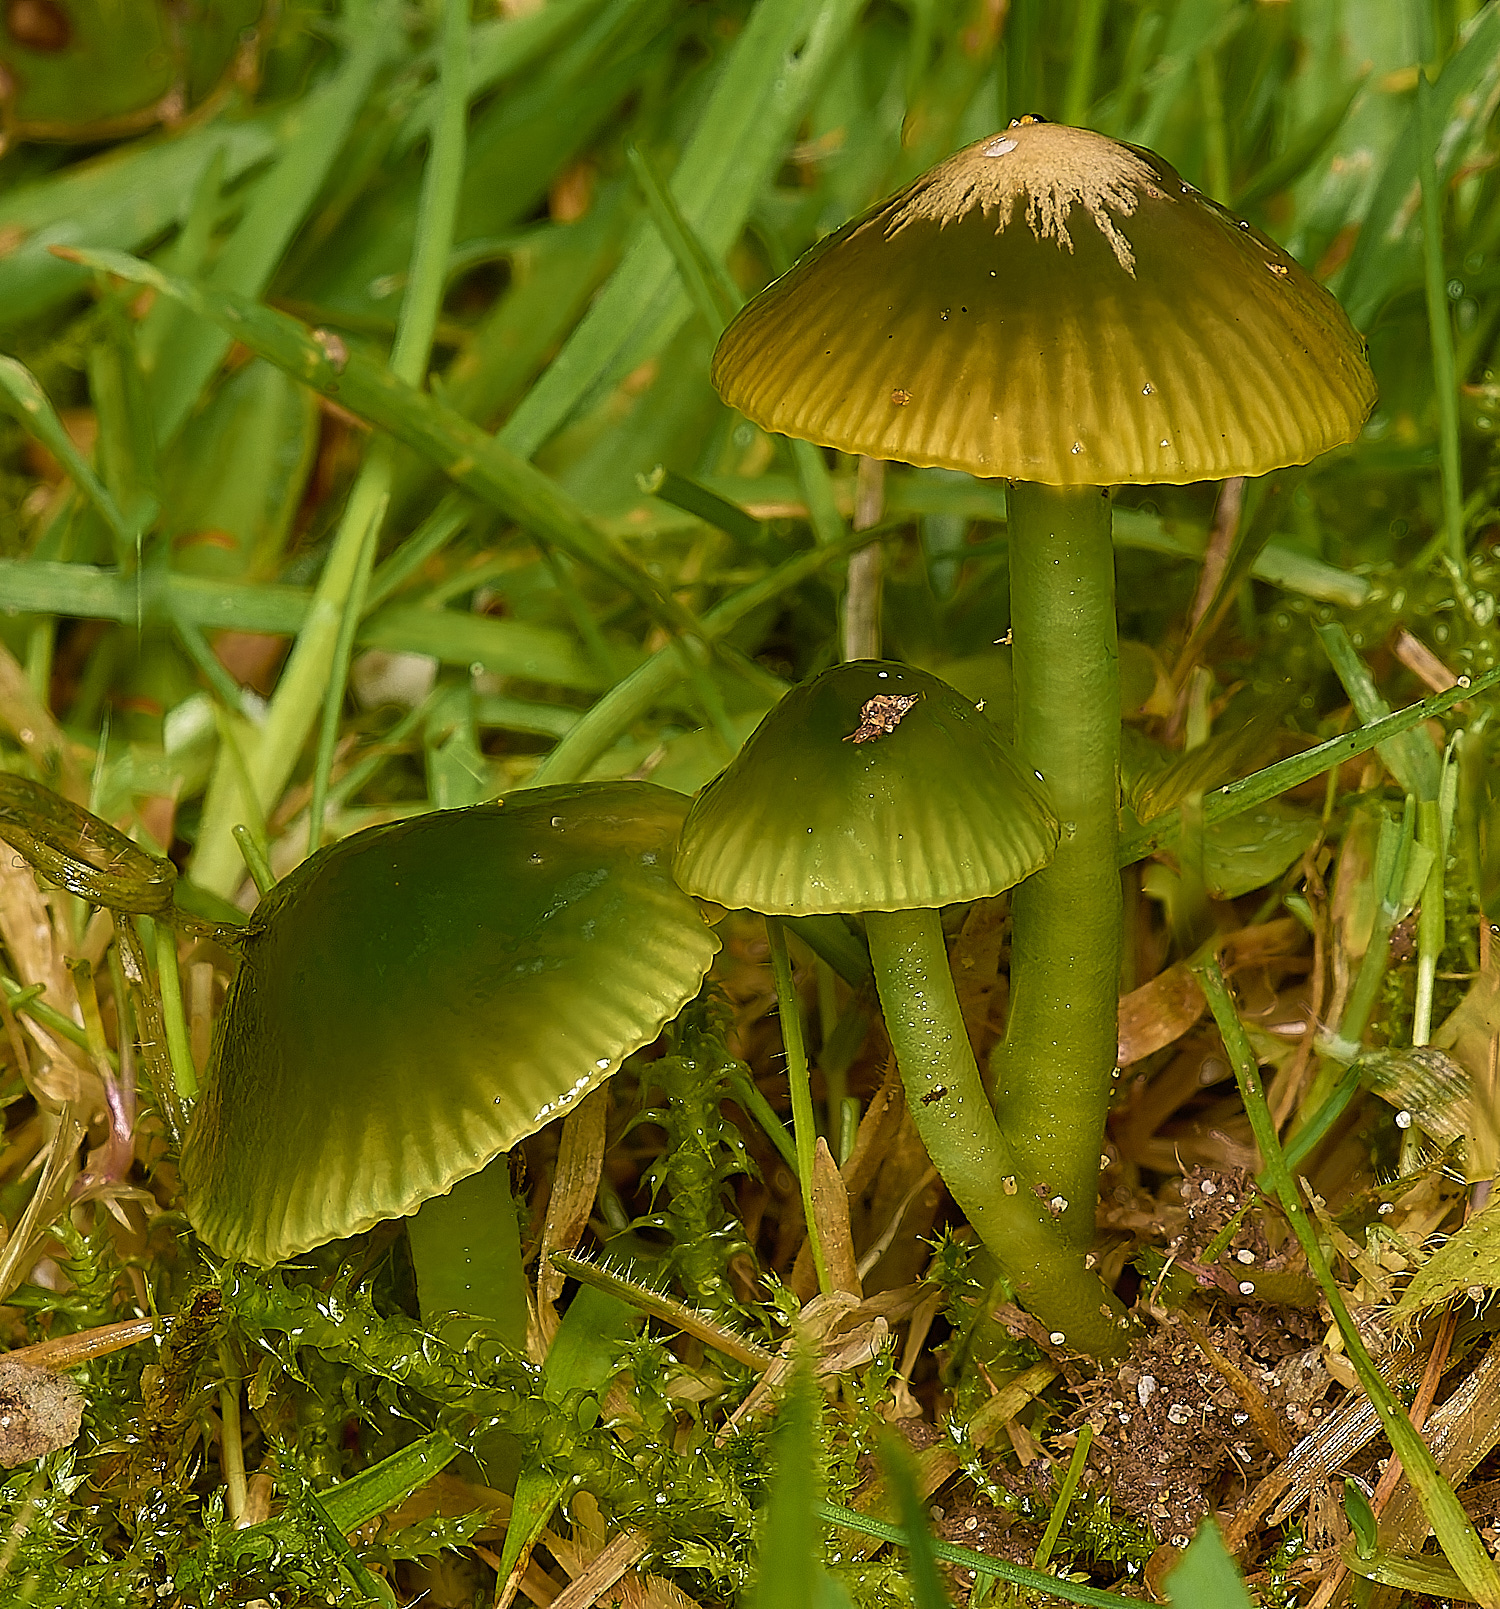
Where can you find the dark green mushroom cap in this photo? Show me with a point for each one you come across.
(419, 997)
(1053, 306)
(872, 787)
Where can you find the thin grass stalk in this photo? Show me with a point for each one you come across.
(1440, 329)
(436, 211)
(804, 1126)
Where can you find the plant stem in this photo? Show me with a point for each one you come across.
(1054, 1069)
(804, 1126)
(948, 1103)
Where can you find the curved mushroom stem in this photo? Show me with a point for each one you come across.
(1054, 1069)
(948, 1103)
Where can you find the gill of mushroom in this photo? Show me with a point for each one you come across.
(1054, 308)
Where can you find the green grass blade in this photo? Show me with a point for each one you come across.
(354, 547)
(23, 397)
(1274, 779)
(189, 354)
(630, 699)
(1410, 757)
(791, 1543)
(921, 1561)
(498, 50)
(757, 104)
(1455, 1531)
(1018, 1575)
(1440, 329)
(709, 287)
(124, 200)
(1386, 255)
(507, 647)
(1207, 1577)
(469, 456)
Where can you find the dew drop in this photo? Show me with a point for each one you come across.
(1148, 390)
(1403, 1120)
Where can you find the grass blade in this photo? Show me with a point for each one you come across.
(1207, 1577)
(469, 456)
(759, 101)
(1266, 784)
(1455, 1531)
(189, 354)
(24, 398)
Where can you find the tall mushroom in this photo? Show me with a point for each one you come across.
(417, 998)
(877, 789)
(1061, 310)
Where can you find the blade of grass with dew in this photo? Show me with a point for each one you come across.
(1455, 1531)
(469, 456)
(759, 100)
(188, 353)
(1289, 773)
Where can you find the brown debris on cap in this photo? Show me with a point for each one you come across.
(1050, 305)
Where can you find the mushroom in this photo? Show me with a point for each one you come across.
(415, 999)
(877, 789)
(1056, 308)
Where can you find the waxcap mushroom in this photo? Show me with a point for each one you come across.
(1050, 305)
(872, 787)
(417, 998)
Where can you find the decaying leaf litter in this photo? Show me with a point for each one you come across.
(561, 561)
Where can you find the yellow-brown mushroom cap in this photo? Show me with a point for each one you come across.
(1050, 305)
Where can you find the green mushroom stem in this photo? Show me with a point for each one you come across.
(1054, 1068)
(947, 1101)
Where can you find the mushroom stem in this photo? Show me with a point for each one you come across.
(952, 1113)
(1054, 1069)
(466, 1252)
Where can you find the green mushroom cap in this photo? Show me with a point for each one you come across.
(872, 787)
(1050, 305)
(419, 997)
